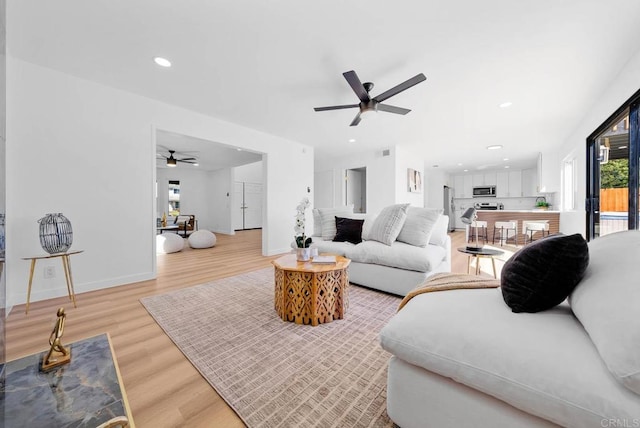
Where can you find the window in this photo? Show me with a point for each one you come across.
(174, 198)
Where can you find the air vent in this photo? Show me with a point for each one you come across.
(386, 152)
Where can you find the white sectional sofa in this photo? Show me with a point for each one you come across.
(396, 268)
(463, 358)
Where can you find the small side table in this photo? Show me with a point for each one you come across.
(478, 254)
(311, 293)
(66, 266)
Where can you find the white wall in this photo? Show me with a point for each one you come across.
(194, 193)
(434, 188)
(381, 177)
(405, 160)
(220, 198)
(62, 136)
(249, 173)
(626, 83)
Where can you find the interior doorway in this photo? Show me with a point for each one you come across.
(356, 189)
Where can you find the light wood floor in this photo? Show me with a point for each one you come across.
(163, 388)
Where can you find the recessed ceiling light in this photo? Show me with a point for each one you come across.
(239, 149)
(352, 140)
(465, 170)
(196, 164)
(506, 104)
(507, 166)
(459, 164)
(494, 147)
(162, 62)
(505, 159)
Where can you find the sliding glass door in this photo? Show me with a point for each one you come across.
(613, 173)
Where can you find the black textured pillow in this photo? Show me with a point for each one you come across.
(542, 274)
(349, 230)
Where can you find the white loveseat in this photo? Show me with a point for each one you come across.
(395, 268)
(463, 358)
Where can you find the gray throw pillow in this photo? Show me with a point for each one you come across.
(418, 227)
(388, 224)
(328, 220)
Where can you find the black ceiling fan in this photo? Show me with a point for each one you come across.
(368, 104)
(172, 161)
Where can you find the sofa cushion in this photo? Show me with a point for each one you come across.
(337, 248)
(606, 303)
(418, 226)
(387, 224)
(398, 255)
(328, 219)
(349, 230)
(542, 363)
(542, 274)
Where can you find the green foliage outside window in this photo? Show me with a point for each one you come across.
(614, 174)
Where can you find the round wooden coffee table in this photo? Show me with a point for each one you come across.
(311, 293)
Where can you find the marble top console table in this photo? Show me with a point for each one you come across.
(86, 392)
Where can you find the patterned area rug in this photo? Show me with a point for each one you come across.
(280, 374)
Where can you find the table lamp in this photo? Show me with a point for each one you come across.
(469, 217)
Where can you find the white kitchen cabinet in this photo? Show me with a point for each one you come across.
(515, 184)
(502, 184)
(488, 179)
(468, 186)
(463, 186)
(530, 182)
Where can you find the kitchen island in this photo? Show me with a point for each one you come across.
(491, 216)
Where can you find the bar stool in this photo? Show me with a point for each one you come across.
(506, 230)
(478, 224)
(531, 227)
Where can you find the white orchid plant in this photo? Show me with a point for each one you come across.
(302, 241)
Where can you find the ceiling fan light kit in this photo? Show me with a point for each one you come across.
(367, 104)
(173, 162)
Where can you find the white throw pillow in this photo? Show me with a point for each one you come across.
(606, 303)
(317, 222)
(387, 225)
(418, 226)
(440, 231)
(328, 219)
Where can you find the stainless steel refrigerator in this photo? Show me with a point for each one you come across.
(449, 207)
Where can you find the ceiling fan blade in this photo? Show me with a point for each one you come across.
(187, 159)
(336, 107)
(401, 87)
(356, 120)
(357, 86)
(184, 161)
(392, 109)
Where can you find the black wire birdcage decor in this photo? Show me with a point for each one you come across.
(56, 235)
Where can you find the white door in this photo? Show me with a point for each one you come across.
(238, 205)
(252, 205)
(355, 189)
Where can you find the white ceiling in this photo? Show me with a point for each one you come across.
(210, 157)
(266, 64)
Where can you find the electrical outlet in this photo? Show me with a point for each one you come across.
(49, 272)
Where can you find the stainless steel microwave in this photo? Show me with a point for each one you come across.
(484, 191)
